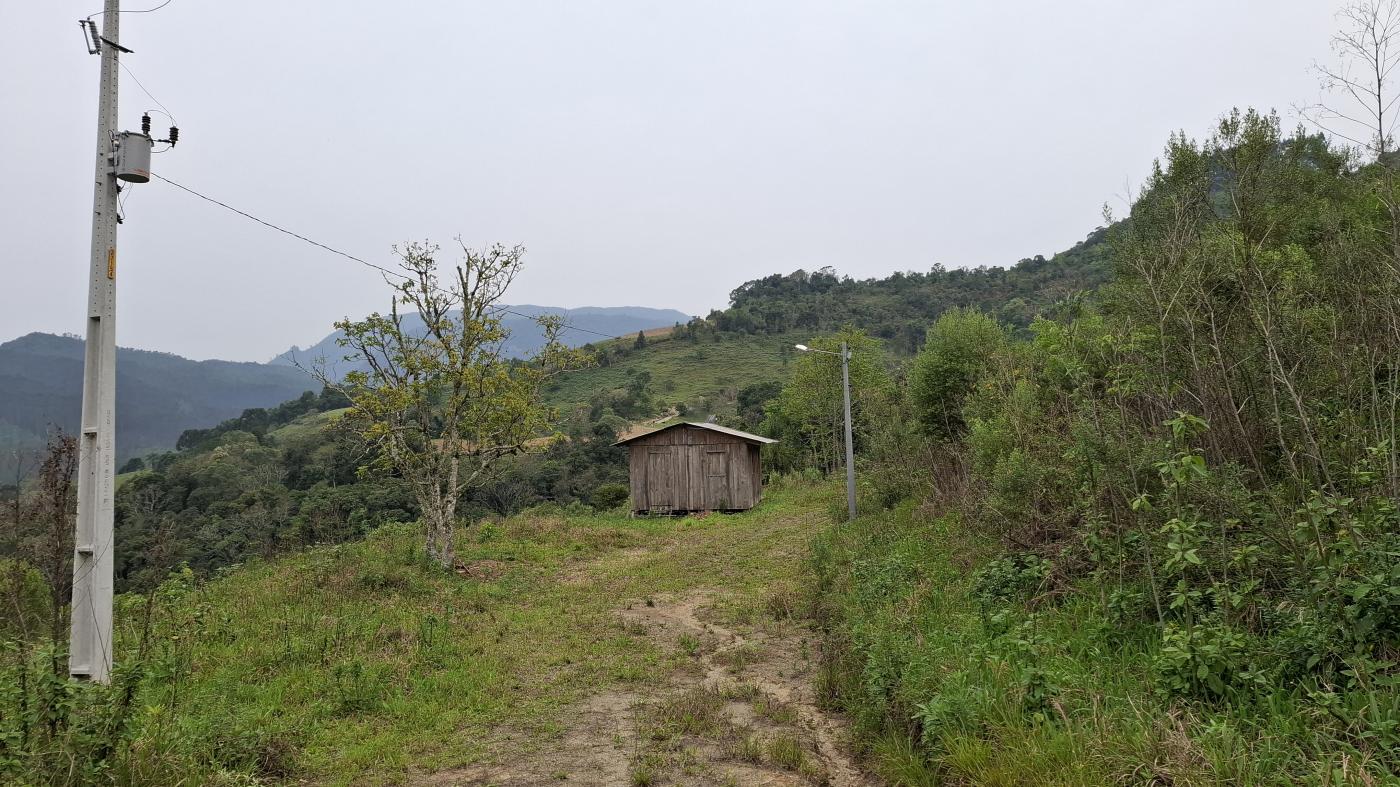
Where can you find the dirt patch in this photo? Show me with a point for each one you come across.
(582, 573)
(771, 667)
(595, 751)
(739, 709)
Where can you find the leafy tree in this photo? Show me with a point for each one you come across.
(440, 407)
(949, 365)
(808, 417)
(752, 399)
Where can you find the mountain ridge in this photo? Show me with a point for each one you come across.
(584, 324)
(161, 394)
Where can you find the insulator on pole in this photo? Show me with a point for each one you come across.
(174, 136)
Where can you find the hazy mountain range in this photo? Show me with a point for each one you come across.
(160, 395)
(586, 324)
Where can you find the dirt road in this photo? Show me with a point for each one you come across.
(732, 700)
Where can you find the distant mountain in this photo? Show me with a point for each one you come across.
(159, 395)
(587, 324)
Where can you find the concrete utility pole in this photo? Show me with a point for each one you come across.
(90, 647)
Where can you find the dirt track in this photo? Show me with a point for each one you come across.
(736, 707)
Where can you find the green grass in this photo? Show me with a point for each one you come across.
(305, 426)
(357, 663)
(945, 691)
(684, 371)
(122, 479)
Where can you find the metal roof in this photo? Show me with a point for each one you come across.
(752, 438)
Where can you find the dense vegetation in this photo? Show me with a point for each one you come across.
(1155, 541)
(898, 309)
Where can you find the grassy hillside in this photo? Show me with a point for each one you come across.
(950, 680)
(710, 369)
(359, 664)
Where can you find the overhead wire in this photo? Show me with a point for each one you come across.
(136, 11)
(147, 92)
(121, 202)
(347, 255)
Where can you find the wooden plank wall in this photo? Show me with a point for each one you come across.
(669, 472)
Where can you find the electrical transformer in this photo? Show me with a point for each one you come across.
(133, 157)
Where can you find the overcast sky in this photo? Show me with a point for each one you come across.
(653, 153)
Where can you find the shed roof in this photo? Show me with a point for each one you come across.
(745, 436)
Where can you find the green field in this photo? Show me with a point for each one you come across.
(713, 367)
(361, 664)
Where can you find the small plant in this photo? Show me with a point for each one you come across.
(775, 711)
(1201, 660)
(785, 751)
(487, 532)
(747, 749)
(690, 645)
(782, 603)
(355, 689)
(1009, 578)
(740, 657)
(692, 712)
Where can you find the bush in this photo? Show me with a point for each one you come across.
(948, 367)
(609, 496)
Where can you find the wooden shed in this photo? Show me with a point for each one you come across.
(695, 467)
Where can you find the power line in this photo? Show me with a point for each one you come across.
(147, 92)
(346, 255)
(141, 11)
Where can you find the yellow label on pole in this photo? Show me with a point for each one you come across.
(112, 264)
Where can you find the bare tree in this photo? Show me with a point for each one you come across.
(1367, 48)
(43, 524)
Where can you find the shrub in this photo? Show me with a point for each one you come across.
(949, 365)
(609, 496)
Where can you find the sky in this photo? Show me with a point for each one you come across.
(644, 152)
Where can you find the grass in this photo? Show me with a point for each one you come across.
(786, 752)
(684, 371)
(940, 688)
(305, 426)
(695, 712)
(354, 664)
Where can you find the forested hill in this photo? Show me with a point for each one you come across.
(899, 308)
(159, 395)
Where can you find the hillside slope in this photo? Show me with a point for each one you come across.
(704, 373)
(159, 395)
(358, 664)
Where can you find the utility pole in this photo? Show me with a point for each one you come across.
(850, 448)
(90, 646)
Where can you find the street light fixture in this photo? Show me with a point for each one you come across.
(846, 393)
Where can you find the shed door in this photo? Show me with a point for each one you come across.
(659, 492)
(717, 478)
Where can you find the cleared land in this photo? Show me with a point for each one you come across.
(585, 650)
(685, 371)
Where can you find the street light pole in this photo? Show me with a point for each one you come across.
(850, 448)
(850, 445)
